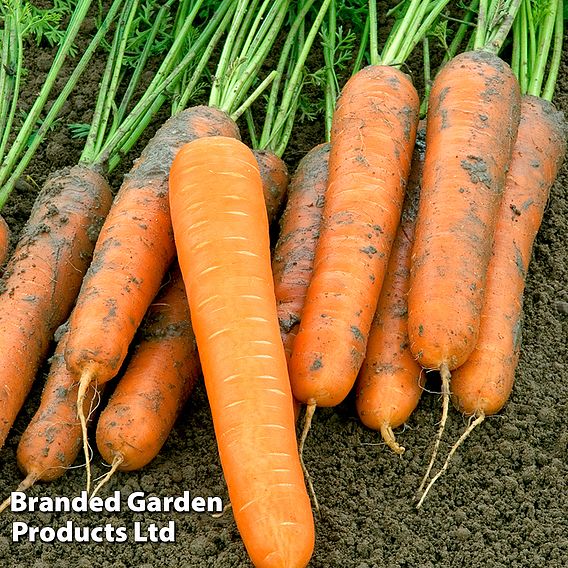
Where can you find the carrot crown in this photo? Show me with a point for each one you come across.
(537, 46)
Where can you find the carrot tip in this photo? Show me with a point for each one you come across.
(390, 440)
(84, 383)
(26, 483)
(118, 459)
(445, 374)
(310, 409)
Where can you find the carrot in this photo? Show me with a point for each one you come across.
(473, 116)
(158, 380)
(4, 240)
(52, 440)
(390, 382)
(274, 175)
(482, 386)
(299, 230)
(43, 277)
(224, 255)
(372, 139)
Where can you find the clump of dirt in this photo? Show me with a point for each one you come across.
(502, 503)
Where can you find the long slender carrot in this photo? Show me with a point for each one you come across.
(43, 277)
(52, 440)
(482, 385)
(390, 382)
(4, 240)
(221, 232)
(300, 225)
(473, 116)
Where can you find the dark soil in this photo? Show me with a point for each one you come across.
(503, 502)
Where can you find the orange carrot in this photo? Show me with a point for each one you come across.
(156, 384)
(373, 133)
(469, 141)
(300, 223)
(4, 240)
(390, 382)
(221, 233)
(52, 440)
(43, 277)
(483, 384)
(132, 255)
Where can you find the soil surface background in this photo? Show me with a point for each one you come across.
(502, 503)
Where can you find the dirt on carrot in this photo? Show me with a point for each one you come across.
(505, 505)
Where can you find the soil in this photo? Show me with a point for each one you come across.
(502, 503)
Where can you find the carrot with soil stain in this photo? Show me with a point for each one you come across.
(52, 440)
(482, 385)
(221, 232)
(299, 230)
(156, 384)
(43, 277)
(390, 383)
(473, 116)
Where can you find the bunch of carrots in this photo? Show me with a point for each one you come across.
(364, 288)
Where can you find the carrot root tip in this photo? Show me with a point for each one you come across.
(26, 483)
(84, 384)
(478, 420)
(445, 375)
(310, 409)
(390, 440)
(118, 459)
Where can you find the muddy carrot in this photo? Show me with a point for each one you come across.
(156, 384)
(299, 230)
(42, 278)
(52, 440)
(390, 382)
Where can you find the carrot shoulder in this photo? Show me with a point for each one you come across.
(373, 133)
(43, 277)
(473, 116)
(221, 233)
(483, 384)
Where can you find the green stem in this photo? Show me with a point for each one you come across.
(373, 33)
(546, 34)
(480, 36)
(554, 67)
(254, 95)
(427, 76)
(225, 59)
(498, 36)
(461, 31)
(251, 128)
(331, 87)
(523, 76)
(16, 172)
(272, 103)
(161, 82)
(108, 83)
(362, 47)
(22, 138)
